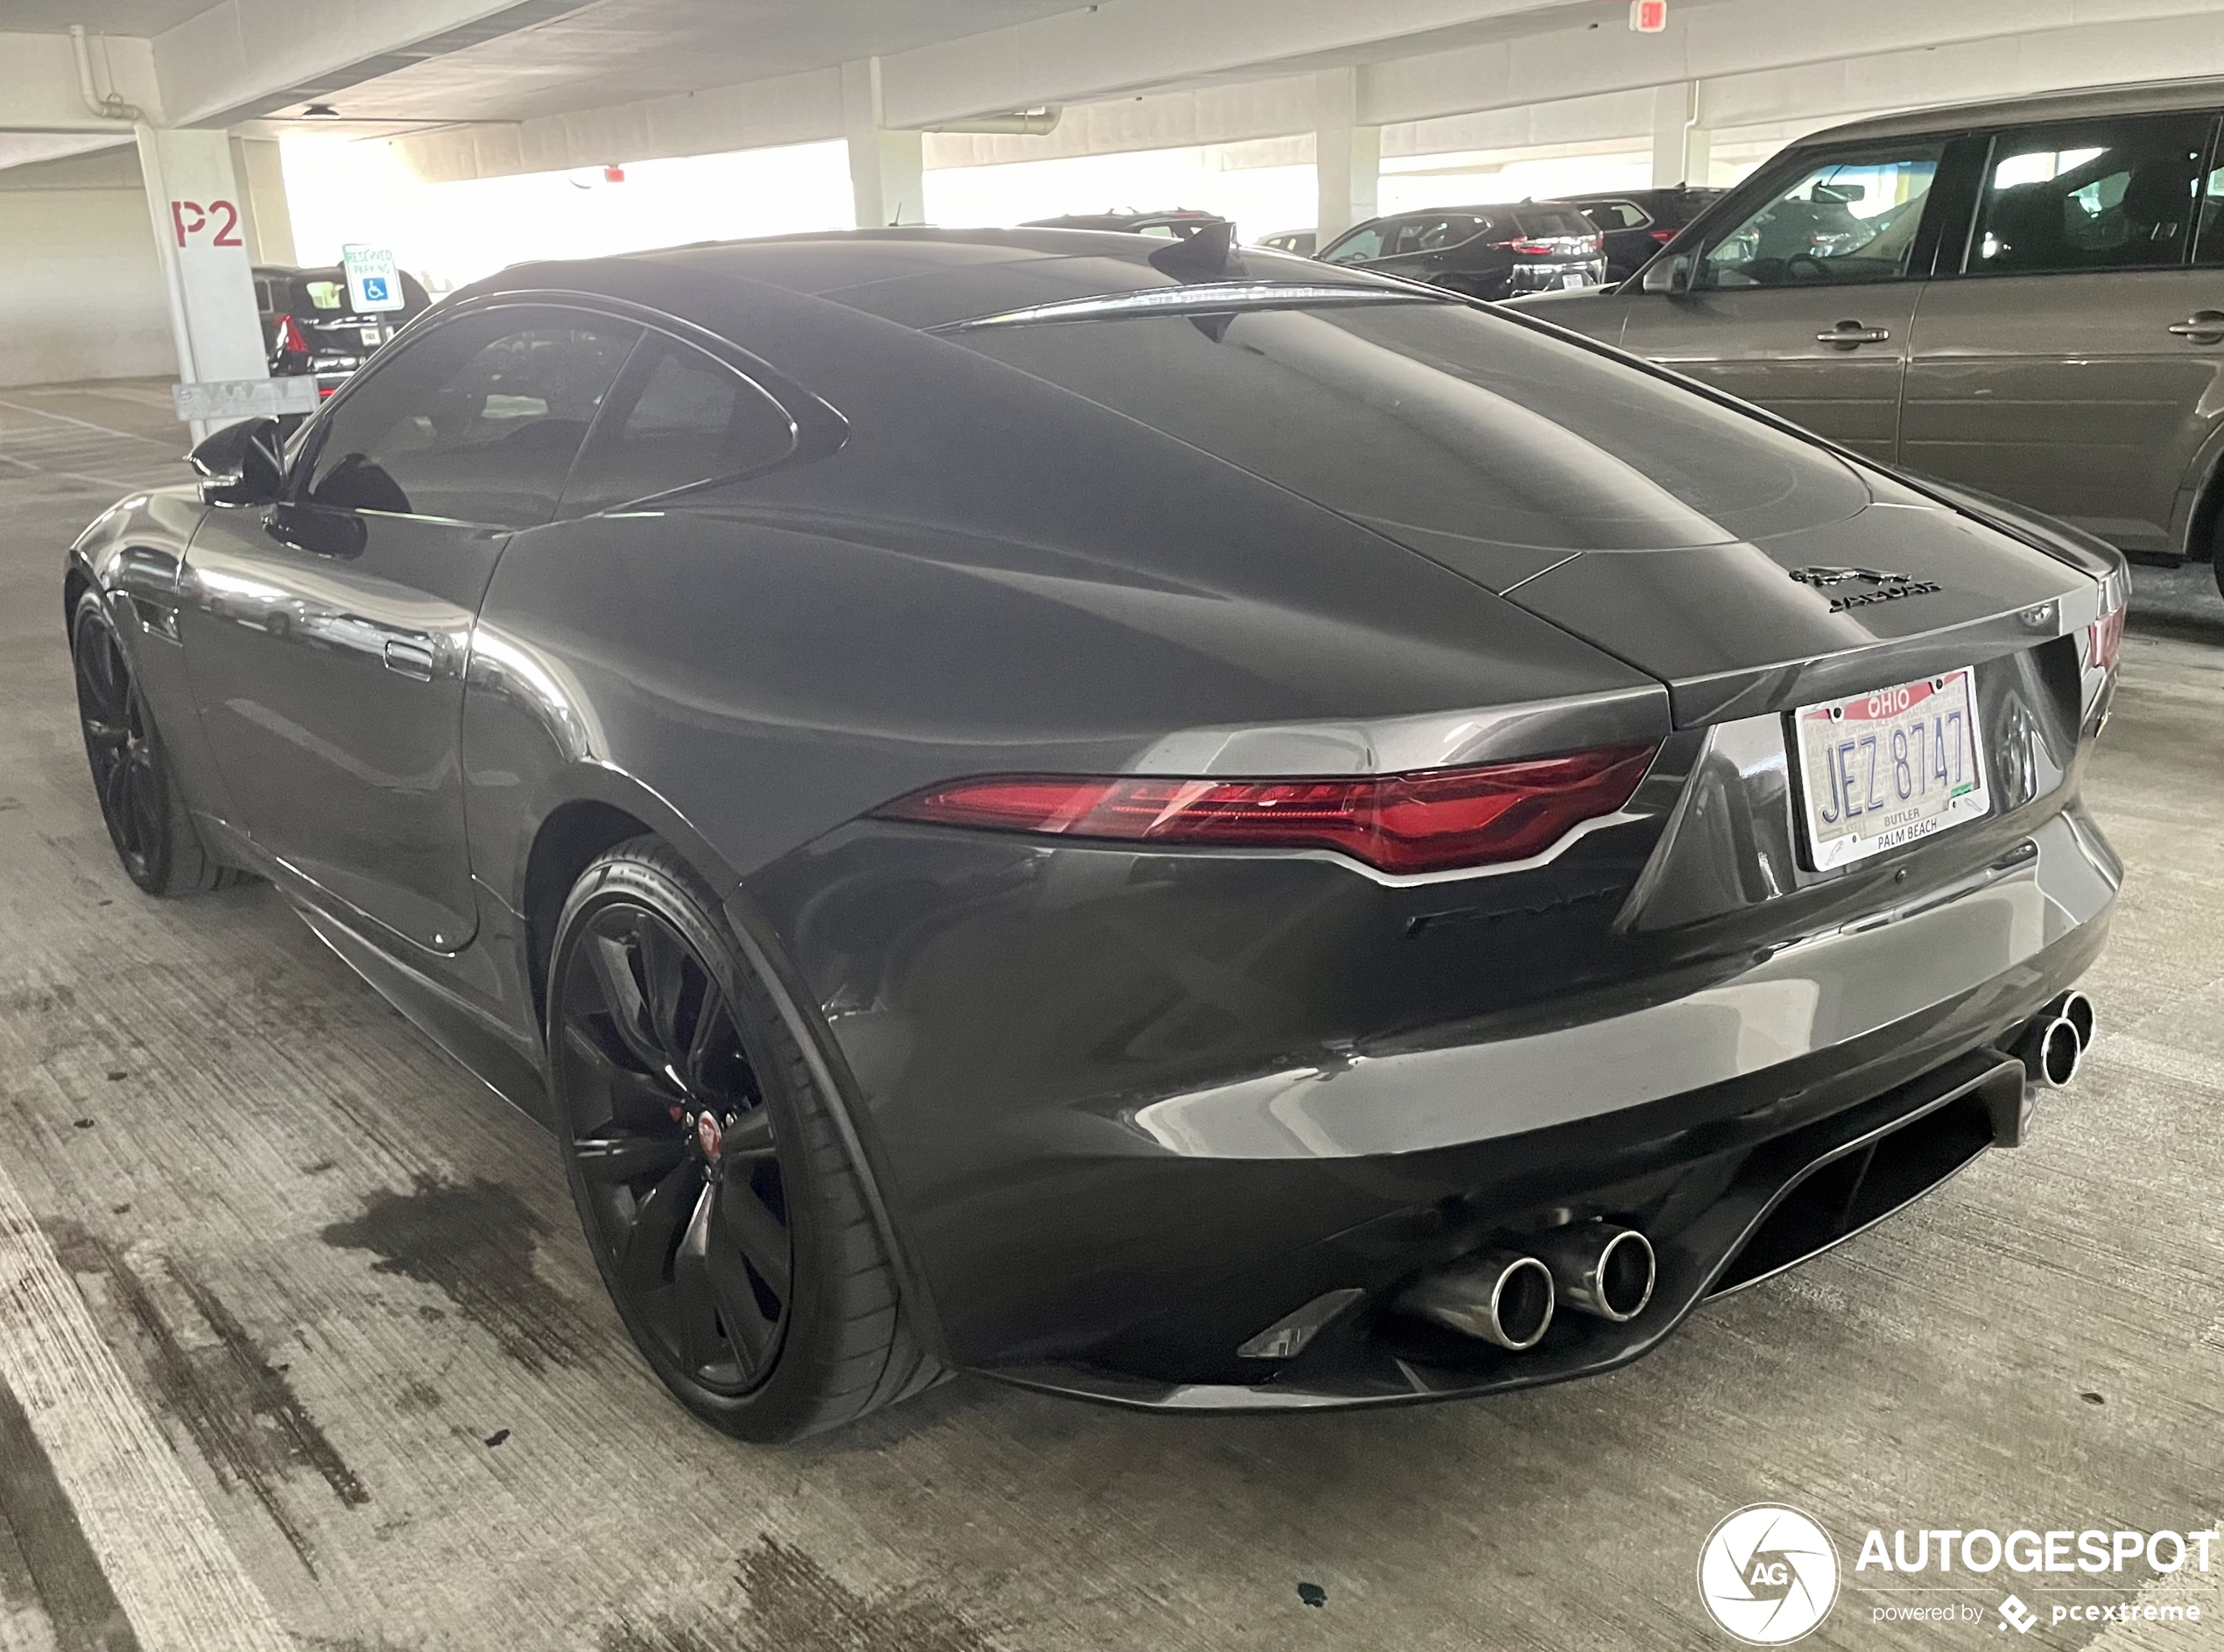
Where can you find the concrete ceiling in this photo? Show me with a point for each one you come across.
(612, 51)
(99, 17)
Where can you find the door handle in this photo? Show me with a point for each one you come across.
(1848, 335)
(411, 659)
(2202, 324)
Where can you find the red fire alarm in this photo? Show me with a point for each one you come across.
(1648, 17)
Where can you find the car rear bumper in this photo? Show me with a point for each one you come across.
(1016, 1025)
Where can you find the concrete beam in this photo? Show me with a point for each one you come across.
(194, 200)
(1680, 142)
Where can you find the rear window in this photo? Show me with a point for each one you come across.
(1548, 222)
(1442, 418)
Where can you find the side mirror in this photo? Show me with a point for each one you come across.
(240, 464)
(1671, 275)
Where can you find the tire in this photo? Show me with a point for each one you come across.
(697, 1144)
(133, 781)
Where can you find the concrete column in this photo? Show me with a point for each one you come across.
(887, 169)
(200, 235)
(1347, 156)
(262, 182)
(1681, 144)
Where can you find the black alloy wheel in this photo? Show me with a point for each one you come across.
(712, 1169)
(668, 1129)
(127, 773)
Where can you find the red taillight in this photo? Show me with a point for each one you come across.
(1527, 249)
(324, 391)
(2104, 640)
(289, 339)
(1430, 821)
(1664, 234)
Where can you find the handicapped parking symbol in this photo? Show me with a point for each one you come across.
(374, 289)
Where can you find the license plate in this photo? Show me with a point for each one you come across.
(371, 335)
(1880, 770)
(1575, 278)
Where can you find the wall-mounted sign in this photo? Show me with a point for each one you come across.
(1648, 17)
(373, 283)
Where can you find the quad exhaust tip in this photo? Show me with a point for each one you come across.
(1602, 1269)
(1498, 1295)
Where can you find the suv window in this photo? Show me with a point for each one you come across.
(2106, 194)
(679, 417)
(475, 421)
(1850, 217)
(1610, 215)
(1360, 244)
(1431, 231)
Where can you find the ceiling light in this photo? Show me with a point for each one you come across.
(320, 112)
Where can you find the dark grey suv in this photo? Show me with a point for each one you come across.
(2025, 298)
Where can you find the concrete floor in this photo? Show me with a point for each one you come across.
(353, 1384)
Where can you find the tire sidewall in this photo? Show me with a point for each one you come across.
(781, 1405)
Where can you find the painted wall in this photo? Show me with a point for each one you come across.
(80, 293)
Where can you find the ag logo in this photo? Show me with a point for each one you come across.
(1768, 1574)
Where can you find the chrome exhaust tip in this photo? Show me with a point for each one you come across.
(2051, 1052)
(1496, 1296)
(2076, 1008)
(1602, 1269)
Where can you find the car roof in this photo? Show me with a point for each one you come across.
(926, 277)
(2146, 98)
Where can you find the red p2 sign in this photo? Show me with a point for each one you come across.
(191, 218)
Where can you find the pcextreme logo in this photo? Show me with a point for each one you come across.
(1768, 1574)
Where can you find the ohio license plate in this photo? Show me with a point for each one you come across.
(1881, 770)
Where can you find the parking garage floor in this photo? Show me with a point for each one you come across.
(299, 1346)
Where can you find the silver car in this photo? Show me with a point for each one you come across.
(2026, 299)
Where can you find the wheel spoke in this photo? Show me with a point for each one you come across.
(713, 1037)
(664, 982)
(656, 1221)
(695, 1292)
(621, 993)
(626, 1155)
(751, 1332)
(630, 1097)
(105, 734)
(753, 1231)
(146, 805)
(748, 1137)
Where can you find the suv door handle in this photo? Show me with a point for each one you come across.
(2202, 324)
(411, 659)
(1849, 334)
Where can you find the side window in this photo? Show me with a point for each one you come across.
(1613, 215)
(2106, 194)
(476, 421)
(690, 418)
(1848, 218)
(1360, 245)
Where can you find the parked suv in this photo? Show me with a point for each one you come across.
(309, 326)
(1486, 252)
(2026, 299)
(1638, 223)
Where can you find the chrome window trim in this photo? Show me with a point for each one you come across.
(1204, 297)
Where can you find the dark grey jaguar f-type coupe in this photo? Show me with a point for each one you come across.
(1162, 822)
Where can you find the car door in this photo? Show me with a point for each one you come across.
(2075, 363)
(1803, 302)
(326, 635)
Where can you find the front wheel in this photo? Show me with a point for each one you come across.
(717, 1194)
(140, 804)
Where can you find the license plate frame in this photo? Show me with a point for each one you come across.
(1865, 723)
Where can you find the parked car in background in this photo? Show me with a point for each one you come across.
(1301, 242)
(2025, 298)
(1485, 252)
(1176, 225)
(309, 325)
(1638, 223)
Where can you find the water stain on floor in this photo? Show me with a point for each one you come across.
(475, 1241)
(796, 1605)
(240, 1411)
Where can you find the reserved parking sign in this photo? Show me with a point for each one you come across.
(373, 283)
